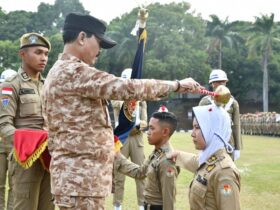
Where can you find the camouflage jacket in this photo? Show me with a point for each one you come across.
(80, 133)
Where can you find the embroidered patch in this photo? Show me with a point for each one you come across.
(226, 190)
(210, 168)
(170, 172)
(7, 91)
(5, 102)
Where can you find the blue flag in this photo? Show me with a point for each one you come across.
(126, 116)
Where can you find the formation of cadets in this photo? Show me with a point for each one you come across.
(261, 123)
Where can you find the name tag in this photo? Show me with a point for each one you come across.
(24, 91)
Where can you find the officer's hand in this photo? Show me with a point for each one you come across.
(236, 154)
(188, 85)
(143, 125)
(172, 155)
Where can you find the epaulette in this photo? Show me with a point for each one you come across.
(11, 78)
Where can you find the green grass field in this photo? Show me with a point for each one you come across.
(260, 174)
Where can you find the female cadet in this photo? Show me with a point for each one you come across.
(216, 184)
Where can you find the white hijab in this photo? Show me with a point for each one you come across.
(215, 125)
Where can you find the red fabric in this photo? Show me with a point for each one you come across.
(26, 142)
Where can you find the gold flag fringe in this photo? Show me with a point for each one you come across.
(36, 154)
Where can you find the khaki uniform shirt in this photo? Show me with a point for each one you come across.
(216, 184)
(21, 105)
(161, 173)
(80, 132)
(233, 112)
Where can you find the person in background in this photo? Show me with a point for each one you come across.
(219, 77)
(5, 149)
(216, 182)
(161, 173)
(22, 109)
(133, 148)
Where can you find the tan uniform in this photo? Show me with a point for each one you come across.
(161, 173)
(216, 184)
(80, 131)
(21, 108)
(5, 149)
(133, 148)
(233, 109)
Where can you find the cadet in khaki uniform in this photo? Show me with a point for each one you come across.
(21, 108)
(133, 148)
(216, 183)
(216, 78)
(161, 173)
(75, 103)
(5, 149)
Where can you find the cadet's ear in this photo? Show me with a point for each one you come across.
(166, 131)
(21, 53)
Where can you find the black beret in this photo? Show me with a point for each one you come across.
(90, 24)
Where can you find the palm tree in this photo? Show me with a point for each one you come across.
(261, 42)
(221, 32)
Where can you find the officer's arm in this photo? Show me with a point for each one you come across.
(123, 165)
(8, 107)
(187, 161)
(227, 189)
(168, 174)
(143, 117)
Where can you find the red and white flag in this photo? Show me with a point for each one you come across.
(7, 91)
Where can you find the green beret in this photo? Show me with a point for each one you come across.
(34, 39)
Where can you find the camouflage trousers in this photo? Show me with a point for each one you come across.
(79, 203)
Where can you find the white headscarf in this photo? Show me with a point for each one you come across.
(215, 125)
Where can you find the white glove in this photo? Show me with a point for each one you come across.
(236, 155)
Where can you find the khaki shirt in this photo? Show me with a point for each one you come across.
(216, 184)
(80, 132)
(161, 173)
(234, 114)
(21, 105)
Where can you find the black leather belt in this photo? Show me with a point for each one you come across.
(152, 207)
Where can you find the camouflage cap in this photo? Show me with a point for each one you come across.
(34, 39)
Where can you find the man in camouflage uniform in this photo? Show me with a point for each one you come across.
(218, 77)
(75, 103)
(21, 108)
(161, 173)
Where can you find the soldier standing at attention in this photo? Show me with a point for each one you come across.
(161, 173)
(216, 183)
(21, 108)
(75, 100)
(133, 148)
(219, 77)
(5, 149)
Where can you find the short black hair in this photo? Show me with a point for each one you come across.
(71, 35)
(167, 117)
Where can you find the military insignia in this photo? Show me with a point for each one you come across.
(201, 180)
(226, 189)
(24, 91)
(24, 75)
(212, 159)
(129, 109)
(5, 102)
(7, 91)
(33, 39)
(210, 168)
(170, 172)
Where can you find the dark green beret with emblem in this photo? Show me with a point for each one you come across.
(34, 39)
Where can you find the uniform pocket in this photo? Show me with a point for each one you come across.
(198, 189)
(64, 201)
(29, 105)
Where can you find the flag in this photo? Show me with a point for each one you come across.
(127, 112)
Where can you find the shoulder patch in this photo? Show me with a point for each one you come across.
(226, 189)
(170, 172)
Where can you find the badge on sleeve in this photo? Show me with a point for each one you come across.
(5, 102)
(226, 189)
(7, 91)
(170, 172)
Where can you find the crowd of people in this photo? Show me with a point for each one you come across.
(261, 123)
(67, 113)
